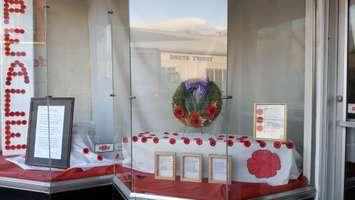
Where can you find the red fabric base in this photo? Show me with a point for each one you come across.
(10, 170)
(145, 183)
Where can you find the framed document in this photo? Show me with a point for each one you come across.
(270, 121)
(219, 168)
(164, 165)
(191, 167)
(49, 132)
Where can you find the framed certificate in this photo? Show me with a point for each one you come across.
(164, 165)
(219, 168)
(270, 121)
(191, 167)
(49, 132)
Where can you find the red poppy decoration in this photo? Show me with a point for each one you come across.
(212, 142)
(198, 141)
(135, 138)
(247, 143)
(156, 140)
(100, 157)
(175, 134)
(261, 143)
(289, 145)
(86, 150)
(277, 144)
(264, 164)
(195, 120)
(230, 143)
(179, 112)
(186, 140)
(172, 141)
(211, 111)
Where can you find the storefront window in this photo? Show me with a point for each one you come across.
(202, 99)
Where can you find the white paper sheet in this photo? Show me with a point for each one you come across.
(192, 168)
(219, 169)
(52, 139)
(165, 166)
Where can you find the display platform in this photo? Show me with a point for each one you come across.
(145, 183)
(253, 161)
(13, 176)
(87, 168)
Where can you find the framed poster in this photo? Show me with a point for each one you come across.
(164, 165)
(191, 167)
(219, 168)
(49, 132)
(270, 121)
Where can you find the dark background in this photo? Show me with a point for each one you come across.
(98, 193)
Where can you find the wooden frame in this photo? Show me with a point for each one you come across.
(35, 154)
(211, 157)
(182, 167)
(255, 121)
(157, 156)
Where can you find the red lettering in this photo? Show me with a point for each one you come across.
(10, 41)
(13, 6)
(9, 134)
(7, 105)
(12, 73)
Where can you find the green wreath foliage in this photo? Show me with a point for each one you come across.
(194, 109)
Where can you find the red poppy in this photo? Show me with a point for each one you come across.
(186, 140)
(211, 111)
(247, 143)
(156, 140)
(135, 138)
(195, 120)
(230, 143)
(198, 141)
(212, 142)
(144, 139)
(259, 119)
(262, 143)
(179, 112)
(264, 164)
(86, 150)
(172, 141)
(176, 134)
(277, 144)
(289, 145)
(100, 157)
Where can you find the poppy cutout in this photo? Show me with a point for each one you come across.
(264, 164)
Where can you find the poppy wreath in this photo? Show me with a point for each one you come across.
(197, 102)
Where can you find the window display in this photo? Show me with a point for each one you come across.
(221, 79)
(203, 99)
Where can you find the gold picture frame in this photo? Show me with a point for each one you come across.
(257, 117)
(157, 165)
(211, 176)
(182, 167)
